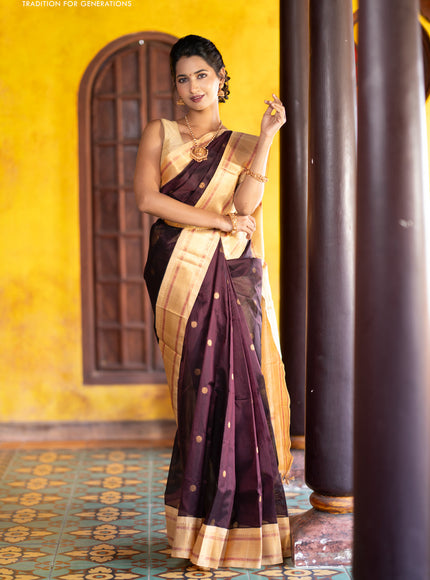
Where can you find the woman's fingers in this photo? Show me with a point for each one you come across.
(246, 224)
(276, 102)
(250, 227)
(275, 106)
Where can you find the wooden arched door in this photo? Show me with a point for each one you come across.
(126, 85)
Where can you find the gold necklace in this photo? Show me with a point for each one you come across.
(199, 152)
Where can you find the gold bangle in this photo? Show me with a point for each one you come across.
(257, 176)
(233, 216)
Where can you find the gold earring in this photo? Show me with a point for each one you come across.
(180, 101)
(221, 93)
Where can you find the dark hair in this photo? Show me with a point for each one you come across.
(193, 45)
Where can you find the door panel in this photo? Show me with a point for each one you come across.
(125, 86)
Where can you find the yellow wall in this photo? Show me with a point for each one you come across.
(43, 54)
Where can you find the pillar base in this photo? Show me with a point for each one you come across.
(297, 441)
(321, 539)
(331, 504)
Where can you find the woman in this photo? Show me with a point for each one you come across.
(205, 274)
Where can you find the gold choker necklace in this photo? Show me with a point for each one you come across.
(199, 152)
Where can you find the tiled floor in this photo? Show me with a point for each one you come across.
(78, 513)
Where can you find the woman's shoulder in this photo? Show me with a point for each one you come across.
(157, 125)
(170, 130)
(168, 122)
(160, 131)
(153, 129)
(170, 136)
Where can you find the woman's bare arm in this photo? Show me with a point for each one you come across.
(250, 192)
(147, 187)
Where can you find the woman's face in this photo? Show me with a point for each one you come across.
(197, 82)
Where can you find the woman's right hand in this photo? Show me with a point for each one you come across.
(244, 223)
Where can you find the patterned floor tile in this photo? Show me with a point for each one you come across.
(97, 514)
(5, 457)
(307, 574)
(190, 571)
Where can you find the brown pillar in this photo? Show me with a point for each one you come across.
(392, 440)
(294, 32)
(330, 328)
(319, 536)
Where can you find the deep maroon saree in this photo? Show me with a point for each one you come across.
(224, 489)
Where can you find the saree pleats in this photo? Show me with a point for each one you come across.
(225, 447)
(225, 503)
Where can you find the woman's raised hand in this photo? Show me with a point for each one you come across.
(249, 193)
(273, 118)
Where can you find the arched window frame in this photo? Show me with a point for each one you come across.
(92, 373)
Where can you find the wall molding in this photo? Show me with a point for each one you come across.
(135, 431)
